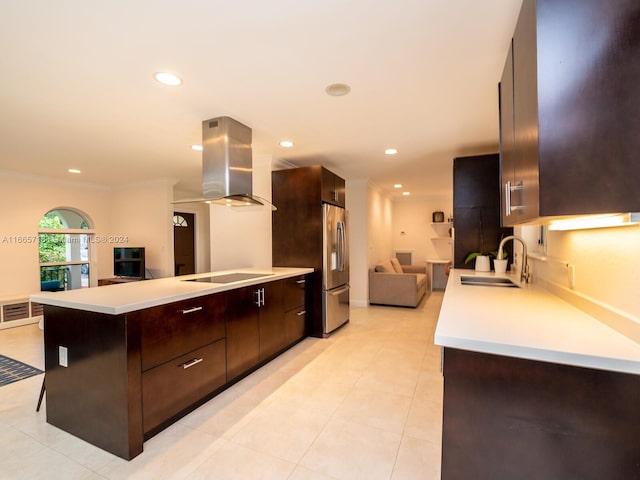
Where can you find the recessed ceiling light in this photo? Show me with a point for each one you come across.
(167, 78)
(406, 193)
(337, 89)
(390, 151)
(286, 143)
(196, 147)
(74, 170)
(397, 185)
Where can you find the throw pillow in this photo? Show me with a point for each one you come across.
(385, 267)
(396, 265)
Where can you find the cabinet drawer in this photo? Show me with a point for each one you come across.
(175, 385)
(294, 291)
(168, 331)
(295, 326)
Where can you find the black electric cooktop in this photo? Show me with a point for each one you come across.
(229, 277)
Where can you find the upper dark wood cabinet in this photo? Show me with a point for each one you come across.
(476, 207)
(333, 188)
(570, 110)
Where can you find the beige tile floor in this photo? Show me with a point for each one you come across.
(365, 403)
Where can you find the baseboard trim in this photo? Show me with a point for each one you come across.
(20, 323)
(359, 303)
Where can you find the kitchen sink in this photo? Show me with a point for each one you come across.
(487, 281)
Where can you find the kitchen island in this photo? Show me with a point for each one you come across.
(534, 388)
(125, 361)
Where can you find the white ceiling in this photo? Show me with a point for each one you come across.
(77, 89)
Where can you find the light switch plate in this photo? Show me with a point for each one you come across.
(63, 359)
(571, 272)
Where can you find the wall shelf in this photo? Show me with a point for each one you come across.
(441, 230)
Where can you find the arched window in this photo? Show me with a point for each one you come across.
(65, 238)
(179, 221)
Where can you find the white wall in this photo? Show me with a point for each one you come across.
(241, 236)
(605, 262)
(369, 234)
(413, 230)
(141, 214)
(379, 234)
(144, 214)
(357, 195)
(23, 202)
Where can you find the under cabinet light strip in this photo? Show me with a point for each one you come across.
(596, 221)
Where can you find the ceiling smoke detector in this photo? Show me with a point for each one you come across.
(337, 89)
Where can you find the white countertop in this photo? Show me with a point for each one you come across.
(127, 297)
(530, 323)
(437, 260)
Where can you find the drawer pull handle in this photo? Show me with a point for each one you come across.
(300, 282)
(190, 310)
(191, 363)
(302, 313)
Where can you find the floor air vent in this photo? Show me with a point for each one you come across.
(15, 311)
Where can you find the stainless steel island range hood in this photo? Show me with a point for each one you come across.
(227, 165)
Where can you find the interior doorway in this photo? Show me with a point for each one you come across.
(184, 231)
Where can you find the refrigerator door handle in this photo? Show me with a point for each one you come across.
(335, 293)
(341, 246)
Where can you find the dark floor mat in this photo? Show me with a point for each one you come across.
(12, 370)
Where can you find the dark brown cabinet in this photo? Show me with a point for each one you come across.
(182, 356)
(295, 313)
(176, 385)
(569, 107)
(333, 188)
(476, 207)
(506, 417)
(297, 228)
(243, 331)
(97, 396)
(171, 330)
(131, 375)
(255, 326)
(272, 334)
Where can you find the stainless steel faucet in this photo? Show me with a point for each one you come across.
(524, 271)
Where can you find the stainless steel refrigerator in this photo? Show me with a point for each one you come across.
(310, 229)
(335, 267)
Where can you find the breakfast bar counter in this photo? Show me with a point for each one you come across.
(125, 361)
(124, 298)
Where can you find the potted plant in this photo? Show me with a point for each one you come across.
(483, 261)
(500, 264)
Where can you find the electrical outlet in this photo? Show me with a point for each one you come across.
(571, 273)
(63, 359)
